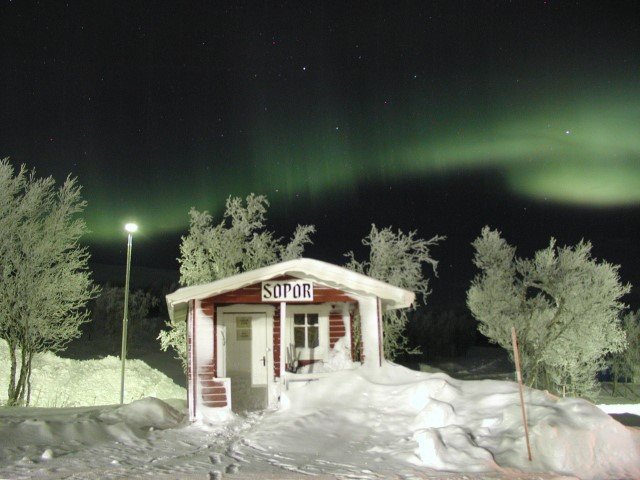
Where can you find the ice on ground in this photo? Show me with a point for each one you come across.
(63, 382)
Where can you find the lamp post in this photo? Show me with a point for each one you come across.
(130, 228)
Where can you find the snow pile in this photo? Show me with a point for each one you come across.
(434, 421)
(361, 423)
(339, 359)
(145, 414)
(32, 433)
(63, 382)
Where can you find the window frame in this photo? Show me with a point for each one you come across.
(306, 327)
(321, 352)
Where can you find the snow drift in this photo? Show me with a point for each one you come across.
(52, 428)
(438, 422)
(362, 423)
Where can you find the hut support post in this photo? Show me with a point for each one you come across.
(283, 351)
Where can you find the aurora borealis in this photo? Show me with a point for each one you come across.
(331, 111)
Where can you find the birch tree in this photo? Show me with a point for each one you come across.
(564, 304)
(44, 281)
(241, 241)
(398, 259)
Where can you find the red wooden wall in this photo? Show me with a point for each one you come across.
(251, 295)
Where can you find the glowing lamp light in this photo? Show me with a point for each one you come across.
(131, 227)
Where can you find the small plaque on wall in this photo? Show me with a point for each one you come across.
(243, 328)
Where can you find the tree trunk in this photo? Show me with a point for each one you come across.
(11, 391)
(28, 379)
(20, 387)
(17, 389)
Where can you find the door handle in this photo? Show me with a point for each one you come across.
(264, 361)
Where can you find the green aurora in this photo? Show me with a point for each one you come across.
(574, 150)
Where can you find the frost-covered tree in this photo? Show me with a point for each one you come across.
(239, 242)
(398, 259)
(563, 303)
(44, 281)
(626, 364)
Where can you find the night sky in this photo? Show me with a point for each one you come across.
(436, 116)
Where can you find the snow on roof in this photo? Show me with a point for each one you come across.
(316, 270)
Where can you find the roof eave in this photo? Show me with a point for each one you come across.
(339, 277)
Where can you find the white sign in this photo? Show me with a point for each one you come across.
(287, 291)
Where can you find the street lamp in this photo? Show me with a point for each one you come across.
(131, 228)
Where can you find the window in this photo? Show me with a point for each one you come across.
(305, 330)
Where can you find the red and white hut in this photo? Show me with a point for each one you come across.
(250, 335)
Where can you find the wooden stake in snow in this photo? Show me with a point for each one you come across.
(516, 357)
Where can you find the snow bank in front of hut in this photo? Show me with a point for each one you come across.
(435, 421)
(393, 423)
(63, 382)
(339, 359)
(147, 413)
(76, 428)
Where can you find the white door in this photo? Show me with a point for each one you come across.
(244, 356)
(259, 351)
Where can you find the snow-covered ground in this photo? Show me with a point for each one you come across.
(362, 423)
